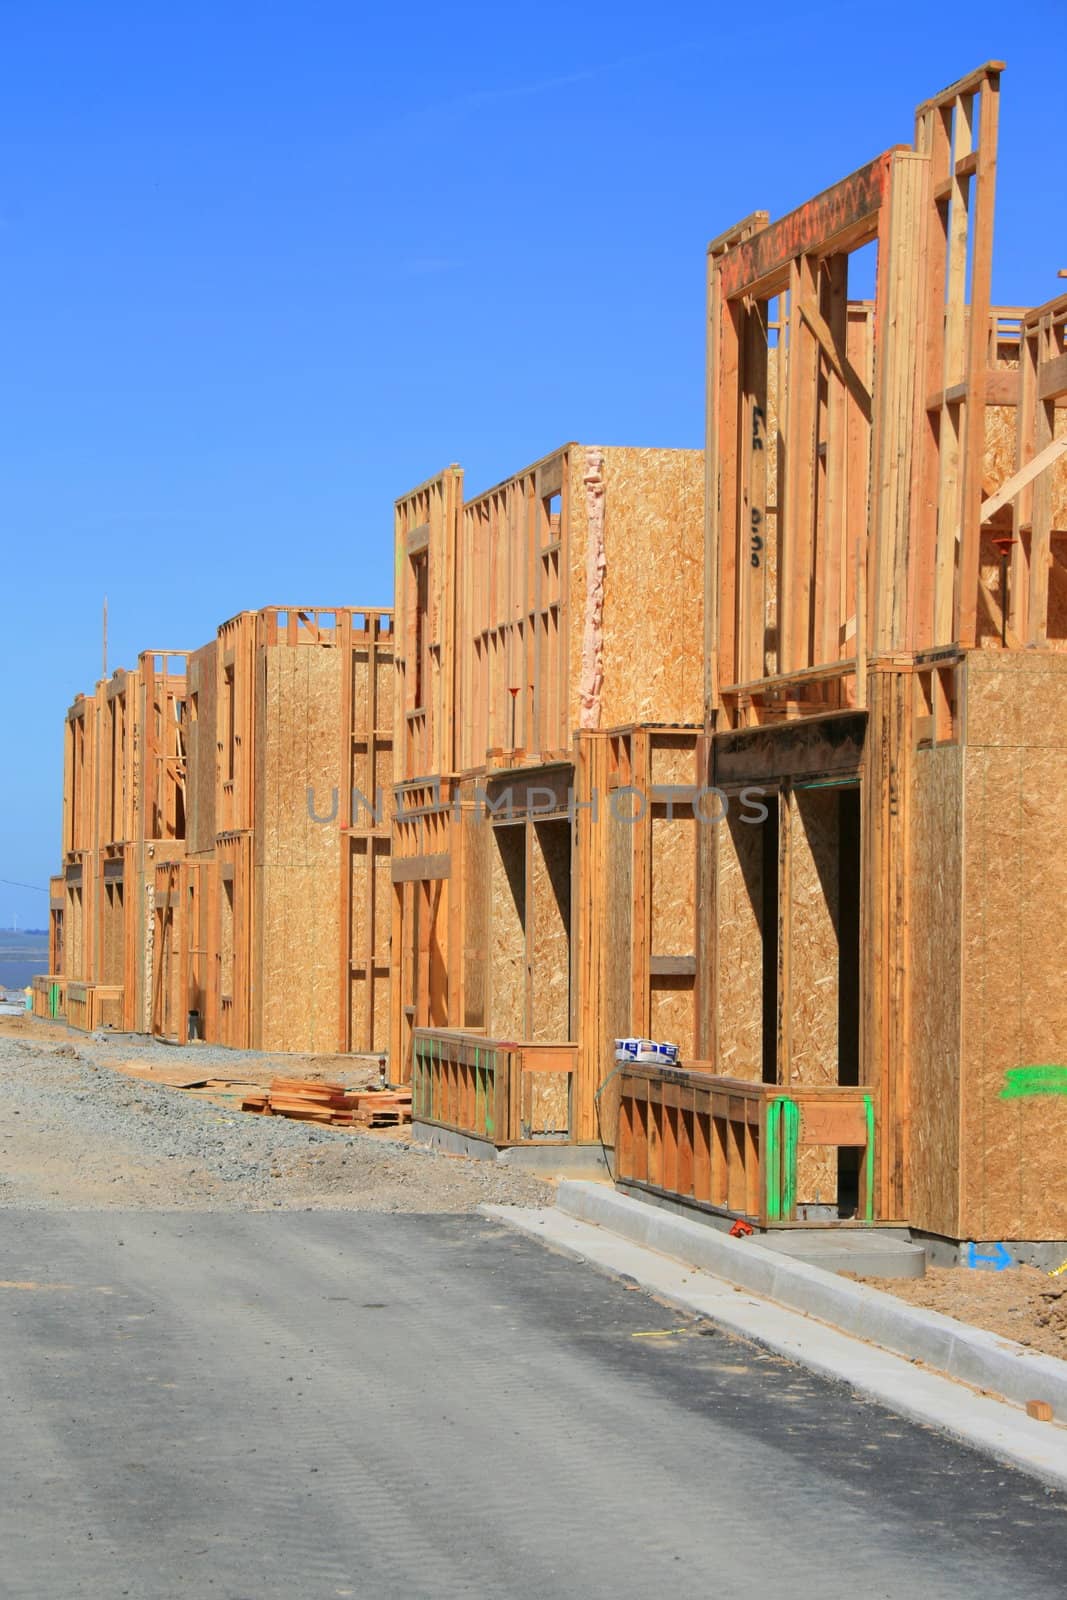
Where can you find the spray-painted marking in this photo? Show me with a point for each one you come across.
(757, 540)
(1057, 1270)
(1045, 1079)
(998, 1261)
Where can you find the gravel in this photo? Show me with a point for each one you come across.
(76, 1134)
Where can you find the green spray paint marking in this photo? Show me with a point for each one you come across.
(868, 1211)
(783, 1135)
(1023, 1081)
(772, 1162)
(790, 1142)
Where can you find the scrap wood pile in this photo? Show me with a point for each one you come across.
(331, 1103)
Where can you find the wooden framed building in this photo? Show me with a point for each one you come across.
(273, 932)
(548, 695)
(123, 810)
(226, 840)
(879, 1019)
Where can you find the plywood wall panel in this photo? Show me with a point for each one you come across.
(673, 894)
(814, 966)
(653, 605)
(507, 933)
(673, 760)
(932, 1183)
(737, 854)
(382, 900)
(301, 954)
(814, 892)
(671, 1013)
(1017, 698)
(202, 758)
(1015, 1013)
(550, 903)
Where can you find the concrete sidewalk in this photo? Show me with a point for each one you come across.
(845, 1331)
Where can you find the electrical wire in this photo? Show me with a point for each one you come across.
(596, 1106)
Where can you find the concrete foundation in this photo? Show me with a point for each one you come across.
(573, 1160)
(868, 1252)
(1045, 1254)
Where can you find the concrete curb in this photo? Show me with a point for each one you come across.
(995, 1427)
(970, 1354)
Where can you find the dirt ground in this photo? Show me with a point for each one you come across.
(100, 1121)
(1020, 1303)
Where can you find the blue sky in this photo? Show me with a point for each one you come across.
(266, 267)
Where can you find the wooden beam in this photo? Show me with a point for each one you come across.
(843, 216)
(1024, 476)
(837, 358)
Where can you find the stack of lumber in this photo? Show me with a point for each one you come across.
(380, 1108)
(331, 1103)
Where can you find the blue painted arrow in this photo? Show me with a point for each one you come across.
(998, 1261)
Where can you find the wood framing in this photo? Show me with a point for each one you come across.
(226, 839)
(281, 923)
(123, 810)
(543, 884)
(887, 623)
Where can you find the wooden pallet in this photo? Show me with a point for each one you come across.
(331, 1104)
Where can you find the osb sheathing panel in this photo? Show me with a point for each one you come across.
(437, 995)
(550, 889)
(673, 761)
(673, 896)
(380, 1040)
(385, 675)
(814, 967)
(382, 900)
(300, 952)
(546, 1102)
(671, 1012)
(383, 775)
(737, 850)
(616, 955)
(1001, 463)
(934, 976)
(357, 897)
(651, 628)
(1015, 955)
(1017, 698)
(998, 466)
(477, 842)
(1000, 447)
(507, 938)
(361, 706)
(202, 755)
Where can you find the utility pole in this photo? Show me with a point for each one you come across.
(105, 636)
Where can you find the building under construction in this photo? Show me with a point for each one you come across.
(226, 864)
(547, 714)
(759, 750)
(863, 970)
